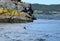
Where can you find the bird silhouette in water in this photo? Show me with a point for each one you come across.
(25, 28)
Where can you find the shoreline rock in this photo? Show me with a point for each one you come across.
(14, 11)
(15, 19)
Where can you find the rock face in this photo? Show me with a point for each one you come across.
(5, 0)
(13, 5)
(16, 11)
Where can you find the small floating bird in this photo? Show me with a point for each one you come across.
(25, 28)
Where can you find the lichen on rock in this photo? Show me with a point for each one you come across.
(13, 8)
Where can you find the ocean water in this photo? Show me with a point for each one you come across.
(47, 16)
(39, 30)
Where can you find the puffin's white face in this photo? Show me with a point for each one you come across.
(27, 8)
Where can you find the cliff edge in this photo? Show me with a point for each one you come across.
(15, 11)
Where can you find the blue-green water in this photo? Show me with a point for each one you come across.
(45, 16)
(39, 30)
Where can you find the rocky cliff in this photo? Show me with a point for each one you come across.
(14, 10)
